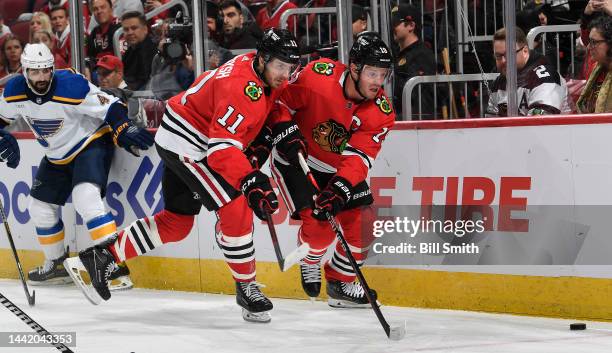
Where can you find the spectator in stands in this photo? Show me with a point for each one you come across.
(39, 21)
(597, 94)
(4, 29)
(593, 9)
(213, 21)
(61, 29)
(110, 72)
(540, 89)
(119, 7)
(236, 33)
(269, 16)
(414, 59)
(100, 41)
(141, 50)
(47, 38)
(54, 4)
(360, 20)
(11, 55)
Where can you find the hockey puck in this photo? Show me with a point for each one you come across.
(577, 326)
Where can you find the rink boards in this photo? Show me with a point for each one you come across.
(561, 161)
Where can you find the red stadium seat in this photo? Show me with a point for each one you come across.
(39, 4)
(22, 31)
(11, 9)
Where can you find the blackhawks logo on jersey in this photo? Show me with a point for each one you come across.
(383, 104)
(331, 136)
(253, 91)
(323, 68)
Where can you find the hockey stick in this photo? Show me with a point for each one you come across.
(33, 324)
(394, 333)
(285, 262)
(31, 298)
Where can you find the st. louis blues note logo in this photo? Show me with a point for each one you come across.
(44, 128)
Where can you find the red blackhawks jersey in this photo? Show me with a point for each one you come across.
(217, 117)
(344, 137)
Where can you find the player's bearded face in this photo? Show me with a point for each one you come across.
(40, 79)
(278, 72)
(372, 79)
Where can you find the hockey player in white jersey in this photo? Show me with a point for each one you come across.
(76, 123)
(540, 88)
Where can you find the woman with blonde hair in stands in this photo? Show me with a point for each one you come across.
(50, 40)
(39, 21)
(11, 55)
(596, 96)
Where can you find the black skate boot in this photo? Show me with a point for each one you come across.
(311, 279)
(99, 263)
(52, 272)
(255, 305)
(120, 278)
(347, 295)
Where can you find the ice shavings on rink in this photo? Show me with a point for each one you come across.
(151, 321)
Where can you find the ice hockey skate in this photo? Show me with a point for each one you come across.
(255, 306)
(311, 278)
(347, 295)
(52, 272)
(99, 263)
(119, 279)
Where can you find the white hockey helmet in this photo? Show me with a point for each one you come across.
(36, 56)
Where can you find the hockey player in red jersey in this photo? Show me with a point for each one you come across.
(201, 140)
(344, 115)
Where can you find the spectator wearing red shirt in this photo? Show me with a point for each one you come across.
(61, 29)
(269, 16)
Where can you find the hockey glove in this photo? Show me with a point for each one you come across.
(333, 198)
(259, 194)
(9, 149)
(132, 138)
(289, 142)
(259, 150)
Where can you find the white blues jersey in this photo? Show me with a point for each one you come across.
(65, 120)
(540, 91)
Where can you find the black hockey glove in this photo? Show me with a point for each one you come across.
(259, 194)
(289, 142)
(259, 150)
(132, 138)
(9, 149)
(333, 198)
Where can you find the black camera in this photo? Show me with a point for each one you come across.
(178, 38)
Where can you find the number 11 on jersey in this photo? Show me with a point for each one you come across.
(223, 120)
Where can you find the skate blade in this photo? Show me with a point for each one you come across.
(74, 266)
(345, 304)
(295, 256)
(60, 281)
(120, 284)
(262, 317)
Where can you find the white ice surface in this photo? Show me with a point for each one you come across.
(150, 321)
